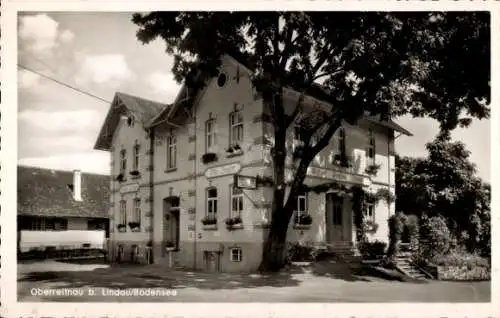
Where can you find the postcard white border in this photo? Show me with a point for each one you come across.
(8, 159)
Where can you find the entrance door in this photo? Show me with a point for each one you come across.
(174, 227)
(211, 261)
(334, 218)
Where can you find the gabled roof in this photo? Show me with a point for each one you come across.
(45, 192)
(388, 123)
(143, 110)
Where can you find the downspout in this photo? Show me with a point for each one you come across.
(151, 187)
(195, 162)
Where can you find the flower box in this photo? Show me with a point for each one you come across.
(134, 226)
(121, 227)
(209, 157)
(234, 151)
(135, 173)
(372, 169)
(234, 223)
(120, 178)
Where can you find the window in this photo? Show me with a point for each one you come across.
(123, 212)
(123, 161)
(235, 254)
(171, 151)
(337, 210)
(370, 152)
(212, 203)
(369, 212)
(221, 80)
(136, 156)
(340, 141)
(210, 135)
(236, 201)
(301, 204)
(60, 224)
(137, 211)
(236, 128)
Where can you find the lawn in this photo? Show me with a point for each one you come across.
(325, 282)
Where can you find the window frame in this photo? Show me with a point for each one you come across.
(210, 134)
(123, 160)
(298, 211)
(236, 126)
(136, 154)
(338, 211)
(171, 146)
(366, 208)
(240, 201)
(122, 213)
(136, 215)
(239, 254)
(340, 141)
(371, 148)
(210, 203)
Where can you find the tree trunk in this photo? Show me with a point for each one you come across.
(274, 249)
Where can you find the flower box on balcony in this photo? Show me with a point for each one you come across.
(208, 158)
(134, 226)
(135, 173)
(121, 227)
(234, 223)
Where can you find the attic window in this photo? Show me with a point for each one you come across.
(222, 79)
(130, 121)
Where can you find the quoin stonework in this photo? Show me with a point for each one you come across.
(173, 199)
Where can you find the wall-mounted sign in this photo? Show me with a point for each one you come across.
(245, 182)
(223, 170)
(133, 187)
(335, 175)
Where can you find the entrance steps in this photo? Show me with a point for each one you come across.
(406, 266)
(344, 251)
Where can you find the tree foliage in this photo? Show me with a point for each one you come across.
(382, 63)
(445, 184)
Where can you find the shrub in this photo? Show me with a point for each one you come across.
(460, 258)
(372, 250)
(396, 228)
(299, 253)
(435, 236)
(411, 230)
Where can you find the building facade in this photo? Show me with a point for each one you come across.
(173, 198)
(53, 204)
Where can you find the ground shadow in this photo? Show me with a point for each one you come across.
(152, 276)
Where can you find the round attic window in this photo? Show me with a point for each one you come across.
(222, 79)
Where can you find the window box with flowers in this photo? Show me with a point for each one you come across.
(234, 223)
(121, 177)
(170, 246)
(135, 174)
(209, 157)
(135, 226)
(209, 223)
(372, 169)
(121, 227)
(234, 151)
(370, 227)
(302, 222)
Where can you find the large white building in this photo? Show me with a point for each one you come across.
(173, 170)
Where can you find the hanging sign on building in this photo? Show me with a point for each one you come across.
(133, 187)
(223, 170)
(245, 182)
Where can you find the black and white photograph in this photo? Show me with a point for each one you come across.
(253, 157)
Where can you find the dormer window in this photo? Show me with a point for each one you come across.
(210, 134)
(221, 80)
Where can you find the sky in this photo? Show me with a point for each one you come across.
(99, 53)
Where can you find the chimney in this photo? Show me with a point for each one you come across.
(77, 185)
